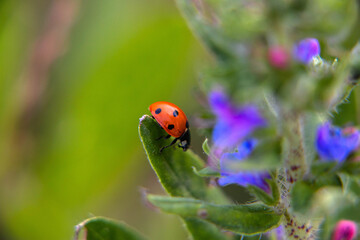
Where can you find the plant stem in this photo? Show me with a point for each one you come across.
(293, 149)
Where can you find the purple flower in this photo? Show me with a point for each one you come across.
(277, 233)
(335, 144)
(243, 178)
(345, 230)
(233, 123)
(306, 49)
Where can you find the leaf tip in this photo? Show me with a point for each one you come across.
(143, 118)
(80, 227)
(77, 231)
(205, 147)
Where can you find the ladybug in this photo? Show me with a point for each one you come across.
(173, 120)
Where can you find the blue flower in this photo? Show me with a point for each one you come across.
(233, 123)
(243, 178)
(305, 50)
(335, 144)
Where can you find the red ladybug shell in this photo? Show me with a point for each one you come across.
(170, 117)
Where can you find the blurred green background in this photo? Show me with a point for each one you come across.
(70, 106)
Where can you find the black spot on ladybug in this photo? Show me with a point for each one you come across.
(175, 113)
(187, 124)
(171, 126)
(157, 111)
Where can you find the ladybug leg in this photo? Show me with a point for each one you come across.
(183, 148)
(172, 143)
(161, 137)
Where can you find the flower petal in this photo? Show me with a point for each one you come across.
(247, 178)
(233, 123)
(220, 104)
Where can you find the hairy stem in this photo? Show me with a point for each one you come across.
(297, 228)
(293, 149)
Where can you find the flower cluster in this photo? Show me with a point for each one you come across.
(233, 125)
(234, 142)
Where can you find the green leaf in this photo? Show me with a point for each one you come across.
(206, 147)
(301, 196)
(243, 219)
(207, 172)
(327, 180)
(201, 229)
(274, 190)
(261, 195)
(174, 168)
(99, 228)
(321, 168)
(265, 197)
(350, 184)
(351, 168)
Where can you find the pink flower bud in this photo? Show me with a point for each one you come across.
(278, 57)
(345, 230)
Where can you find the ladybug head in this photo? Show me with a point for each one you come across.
(185, 140)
